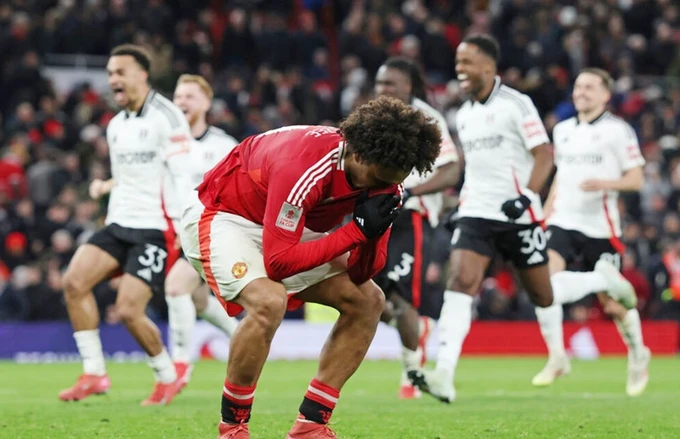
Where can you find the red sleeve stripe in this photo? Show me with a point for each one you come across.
(304, 183)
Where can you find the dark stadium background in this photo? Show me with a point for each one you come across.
(275, 63)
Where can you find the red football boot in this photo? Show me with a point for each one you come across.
(233, 431)
(304, 429)
(85, 386)
(163, 393)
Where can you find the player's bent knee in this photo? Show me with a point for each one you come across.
(267, 308)
(74, 285)
(542, 300)
(366, 299)
(129, 311)
(465, 281)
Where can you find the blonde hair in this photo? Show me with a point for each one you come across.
(200, 81)
(607, 80)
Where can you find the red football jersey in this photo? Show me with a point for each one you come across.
(288, 179)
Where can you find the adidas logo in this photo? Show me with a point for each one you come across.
(360, 221)
(145, 273)
(535, 258)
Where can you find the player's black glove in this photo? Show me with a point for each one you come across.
(375, 215)
(405, 195)
(515, 208)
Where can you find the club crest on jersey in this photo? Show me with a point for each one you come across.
(143, 133)
(239, 270)
(289, 217)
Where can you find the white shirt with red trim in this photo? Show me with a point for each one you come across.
(149, 152)
(431, 205)
(604, 149)
(497, 137)
(208, 150)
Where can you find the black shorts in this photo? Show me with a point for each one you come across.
(522, 244)
(142, 253)
(577, 248)
(407, 259)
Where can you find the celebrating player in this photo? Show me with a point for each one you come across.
(193, 95)
(149, 141)
(507, 161)
(597, 156)
(259, 233)
(408, 254)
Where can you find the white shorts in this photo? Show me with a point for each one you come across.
(226, 250)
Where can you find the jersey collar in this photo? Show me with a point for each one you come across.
(204, 135)
(140, 113)
(594, 121)
(494, 90)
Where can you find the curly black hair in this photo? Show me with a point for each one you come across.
(391, 134)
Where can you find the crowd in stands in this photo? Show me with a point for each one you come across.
(282, 62)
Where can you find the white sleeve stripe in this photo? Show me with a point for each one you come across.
(318, 175)
(516, 99)
(302, 182)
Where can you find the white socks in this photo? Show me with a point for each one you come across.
(631, 332)
(410, 359)
(550, 321)
(181, 319)
(454, 325)
(90, 348)
(215, 314)
(163, 368)
(572, 286)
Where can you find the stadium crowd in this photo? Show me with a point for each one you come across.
(275, 63)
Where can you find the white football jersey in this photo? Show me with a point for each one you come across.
(604, 149)
(148, 151)
(431, 204)
(207, 150)
(497, 137)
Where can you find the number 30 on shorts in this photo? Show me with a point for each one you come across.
(532, 240)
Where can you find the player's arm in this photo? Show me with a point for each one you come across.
(627, 152)
(287, 205)
(366, 260)
(548, 205)
(99, 188)
(532, 132)
(175, 148)
(447, 168)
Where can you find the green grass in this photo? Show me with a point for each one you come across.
(495, 400)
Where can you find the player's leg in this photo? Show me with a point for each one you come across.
(179, 284)
(628, 323)
(472, 252)
(606, 259)
(550, 322)
(209, 308)
(89, 265)
(360, 307)
(246, 286)
(133, 296)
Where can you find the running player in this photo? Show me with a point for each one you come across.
(258, 231)
(193, 96)
(408, 252)
(597, 156)
(149, 142)
(507, 161)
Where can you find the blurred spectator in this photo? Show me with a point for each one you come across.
(274, 63)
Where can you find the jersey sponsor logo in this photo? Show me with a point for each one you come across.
(579, 159)
(289, 217)
(239, 270)
(135, 158)
(482, 143)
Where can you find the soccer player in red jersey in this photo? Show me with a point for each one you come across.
(259, 235)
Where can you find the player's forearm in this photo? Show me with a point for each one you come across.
(631, 181)
(543, 165)
(442, 178)
(283, 260)
(548, 206)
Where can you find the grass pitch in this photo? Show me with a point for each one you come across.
(495, 400)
